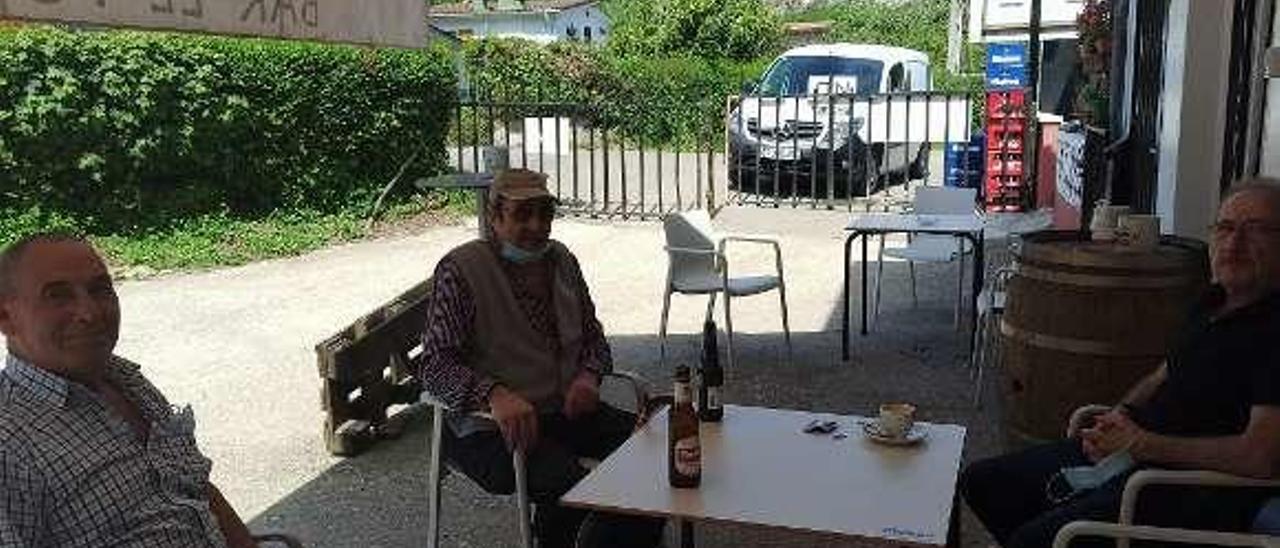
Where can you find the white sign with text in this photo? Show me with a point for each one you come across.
(398, 23)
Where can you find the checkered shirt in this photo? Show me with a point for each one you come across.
(73, 474)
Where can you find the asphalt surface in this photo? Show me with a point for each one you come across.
(238, 345)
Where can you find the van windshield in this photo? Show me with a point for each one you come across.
(798, 75)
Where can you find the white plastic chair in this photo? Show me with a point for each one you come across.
(437, 470)
(697, 265)
(931, 200)
(1126, 530)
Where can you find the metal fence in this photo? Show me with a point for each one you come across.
(835, 150)
(815, 150)
(595, 170)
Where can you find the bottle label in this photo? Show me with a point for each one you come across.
(688, 459)
(683, 392)
(713, 397)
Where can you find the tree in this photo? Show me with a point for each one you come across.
(733, 29)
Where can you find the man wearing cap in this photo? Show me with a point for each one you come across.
(511, 329)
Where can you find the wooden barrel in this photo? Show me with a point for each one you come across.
(1083, 321)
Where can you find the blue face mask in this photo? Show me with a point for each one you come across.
(1084, 478)
(519, 255)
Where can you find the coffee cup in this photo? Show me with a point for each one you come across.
(895, 419)
(1140, 231)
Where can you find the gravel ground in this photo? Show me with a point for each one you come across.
(238, 344)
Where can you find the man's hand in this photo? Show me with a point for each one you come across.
(583, 395)
(1111, 432)
(516, 418)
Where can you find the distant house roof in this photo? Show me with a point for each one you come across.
(498, 6)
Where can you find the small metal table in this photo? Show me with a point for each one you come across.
(965, 225)
(477, 182)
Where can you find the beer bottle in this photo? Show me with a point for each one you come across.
(684, 451)
(710, 406)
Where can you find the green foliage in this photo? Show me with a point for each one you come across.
(219, 239)
(124, 131)
(677, 100)
(656, 100)
(713, 29)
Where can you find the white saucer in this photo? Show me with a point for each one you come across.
(916, 435)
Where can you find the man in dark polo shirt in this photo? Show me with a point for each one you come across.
(1213, 405)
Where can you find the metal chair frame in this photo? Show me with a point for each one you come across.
(1126, 530)
(436, 462)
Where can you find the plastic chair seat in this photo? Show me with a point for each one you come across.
(925, 251)
(738, 287)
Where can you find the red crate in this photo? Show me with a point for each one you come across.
(998, 141)
(997, 183)
(1007, 125)
(1005, 164)
(1006, 104)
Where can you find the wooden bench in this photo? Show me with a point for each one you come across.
(368, 367)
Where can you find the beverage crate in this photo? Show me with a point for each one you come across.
(1006, 164)
(1002, 105)
(1004, 142)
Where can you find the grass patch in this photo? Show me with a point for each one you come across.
(219, 239)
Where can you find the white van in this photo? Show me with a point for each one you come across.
(805, 114)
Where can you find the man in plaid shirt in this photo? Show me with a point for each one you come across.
(91, 454)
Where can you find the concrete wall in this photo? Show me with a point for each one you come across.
(582, 17)
(1193, 115)
(543, 27)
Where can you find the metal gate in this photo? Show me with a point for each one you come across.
(838, 150)
(827, 150)
(596, 170)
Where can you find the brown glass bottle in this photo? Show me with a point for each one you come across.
(684, 449)
(711, 377)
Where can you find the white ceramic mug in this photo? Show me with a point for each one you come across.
(896, 419)
(1140, 231)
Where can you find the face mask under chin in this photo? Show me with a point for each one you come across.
(519, 255)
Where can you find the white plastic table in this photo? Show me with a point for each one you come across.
(968, 226)
(759, 468)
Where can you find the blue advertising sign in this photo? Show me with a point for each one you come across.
(1006, 65)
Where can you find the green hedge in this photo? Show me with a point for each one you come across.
(658, 100)
(119, 131)
(713, 29)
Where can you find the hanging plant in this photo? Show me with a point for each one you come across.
(1093, 97)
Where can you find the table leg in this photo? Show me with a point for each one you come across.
(864, 284)
(844, 290)
(954, 537)
(979, 271)
(684, 528)
(482, 221)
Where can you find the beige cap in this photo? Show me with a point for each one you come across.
(519, 184)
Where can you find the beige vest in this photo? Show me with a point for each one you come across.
(505, 346)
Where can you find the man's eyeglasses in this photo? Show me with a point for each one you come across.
(1250, 229)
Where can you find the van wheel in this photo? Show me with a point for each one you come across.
(919, 168)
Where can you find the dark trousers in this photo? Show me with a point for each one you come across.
(1008, 494)
(552, 469)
